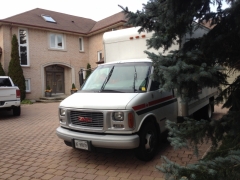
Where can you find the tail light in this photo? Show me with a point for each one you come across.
(18, 93)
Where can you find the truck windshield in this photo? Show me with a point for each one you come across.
(121, 77)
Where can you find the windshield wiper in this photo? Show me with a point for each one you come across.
(147, 76)
(113, 91)
(134, 79)
(106, 80)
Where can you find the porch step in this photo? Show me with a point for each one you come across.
(53, 98)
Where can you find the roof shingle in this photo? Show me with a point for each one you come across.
(64, 22)
(116, 18)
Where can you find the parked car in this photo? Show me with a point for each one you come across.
(9, 96)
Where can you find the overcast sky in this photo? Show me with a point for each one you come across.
(92, 9)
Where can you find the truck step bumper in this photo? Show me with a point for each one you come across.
(98, 140)
(6, 104)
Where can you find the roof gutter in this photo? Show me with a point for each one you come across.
(106, 27)
(42, 28)
(61, 30)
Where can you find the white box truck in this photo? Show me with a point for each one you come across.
(120, 106)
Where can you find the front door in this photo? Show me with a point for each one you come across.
(55, 78)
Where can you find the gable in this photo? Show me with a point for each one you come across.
(116, 18)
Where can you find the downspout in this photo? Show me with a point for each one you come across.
(11, 31)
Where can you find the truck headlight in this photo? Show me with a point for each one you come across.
(62, 112)
(118, 116)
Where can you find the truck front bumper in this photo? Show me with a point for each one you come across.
(99, 140)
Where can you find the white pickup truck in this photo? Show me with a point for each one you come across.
(9, 96)
(120, 106)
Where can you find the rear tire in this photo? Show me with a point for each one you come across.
(207, 112)
(149, 139)
(17, 110)
(204, 113)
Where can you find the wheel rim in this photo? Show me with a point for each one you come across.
(150, 141)
(209, 111)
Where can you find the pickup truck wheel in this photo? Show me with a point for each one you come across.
(17, 111)
(148, 142)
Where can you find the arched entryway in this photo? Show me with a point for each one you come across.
(55, 78)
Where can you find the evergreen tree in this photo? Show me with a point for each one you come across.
(197, 64)
(15, 70)
(88, 72)
(2, 73)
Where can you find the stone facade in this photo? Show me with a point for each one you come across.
(96, 45)
(41, 56)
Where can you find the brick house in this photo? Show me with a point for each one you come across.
(54, 46)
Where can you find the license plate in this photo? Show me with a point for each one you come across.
(81, 144)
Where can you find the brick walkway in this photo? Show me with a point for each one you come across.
(30, 149)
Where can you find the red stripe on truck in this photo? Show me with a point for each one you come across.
(138, 107)
(151, 103)
(160, 100)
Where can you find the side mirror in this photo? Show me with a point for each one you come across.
(154, 86)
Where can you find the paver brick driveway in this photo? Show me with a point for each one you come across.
(30, 149)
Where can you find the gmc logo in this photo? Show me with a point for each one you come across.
(84, 119)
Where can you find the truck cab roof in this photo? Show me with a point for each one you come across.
(128, 61)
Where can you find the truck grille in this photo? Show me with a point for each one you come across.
(89, 119)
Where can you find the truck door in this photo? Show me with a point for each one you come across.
(164, 105)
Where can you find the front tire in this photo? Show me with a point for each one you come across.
(148, 142)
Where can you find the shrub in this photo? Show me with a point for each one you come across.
(2, 73)
(89, 71)
(26, 101)
(73, 87)
(15, 70)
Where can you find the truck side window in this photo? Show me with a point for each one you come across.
(154, 86)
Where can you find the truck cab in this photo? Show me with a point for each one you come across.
(119, 107)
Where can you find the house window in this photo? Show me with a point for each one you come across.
(81, 47)
(48, 18)
(100, 55)
(27, 83)
(56, 41)
(23, 47)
